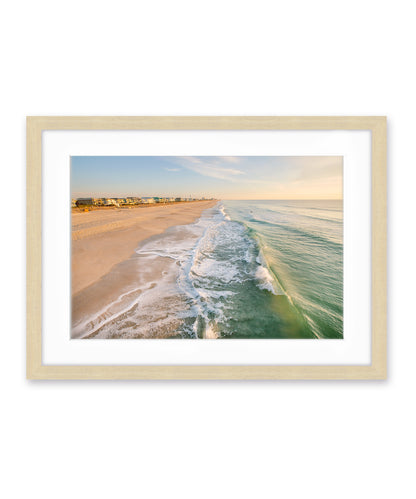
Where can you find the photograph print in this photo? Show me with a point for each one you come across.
(207, 247)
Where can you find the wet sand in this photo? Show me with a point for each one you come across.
(105, 237)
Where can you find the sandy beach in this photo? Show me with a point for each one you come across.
(103, 238)
(109, 276)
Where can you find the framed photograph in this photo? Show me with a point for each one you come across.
(206, 247)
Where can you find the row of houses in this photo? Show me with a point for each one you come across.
(128, 201)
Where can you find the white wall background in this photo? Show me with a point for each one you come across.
(205, 440)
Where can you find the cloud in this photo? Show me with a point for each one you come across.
(211, 166)
(173, 169)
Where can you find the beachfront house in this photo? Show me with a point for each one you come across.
(110, 202)
(84, 202)
(132, 200)
(148, 200)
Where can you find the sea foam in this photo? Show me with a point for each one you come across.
(266, 280)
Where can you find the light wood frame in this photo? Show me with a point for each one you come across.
(37, 124)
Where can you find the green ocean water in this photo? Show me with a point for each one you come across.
(270, 269)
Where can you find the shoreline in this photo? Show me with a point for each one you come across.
(103, 238)
(146, 277)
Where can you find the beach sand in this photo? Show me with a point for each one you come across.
(104, 263)
(105, 237)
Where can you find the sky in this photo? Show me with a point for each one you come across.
(220, 177)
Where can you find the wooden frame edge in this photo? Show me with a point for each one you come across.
(379, 244)
(34, 247)
(35, 370)
(205, 122)
(207, 372)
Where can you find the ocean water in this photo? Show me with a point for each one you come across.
(245, 269)
(300, 244)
